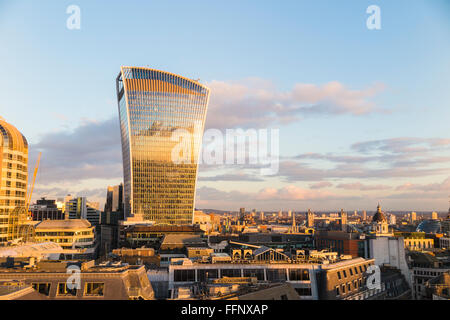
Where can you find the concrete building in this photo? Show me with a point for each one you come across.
(97, 282)
(438, 288)
(346, 280)
(424, 267)
(389, 251)
(76, 236)
(203, 220)
(444, 242)
(309, 280)
(46, 210)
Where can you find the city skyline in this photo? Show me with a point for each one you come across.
(357, 124)
(215, 159)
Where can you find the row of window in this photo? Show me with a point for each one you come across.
(188, 275)
(14, 157)
(348, 287)
(352, 271)
(96, 289)
(16, 203)
(62, 233)
(427, 273)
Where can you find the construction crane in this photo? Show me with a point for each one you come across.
(30, 194)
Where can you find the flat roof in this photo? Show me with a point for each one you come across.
(64, 224)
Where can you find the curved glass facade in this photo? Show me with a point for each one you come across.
(429, 226)
(153, 106)
(13, 180)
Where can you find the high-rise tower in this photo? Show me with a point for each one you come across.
(13, 180)
(162, 116)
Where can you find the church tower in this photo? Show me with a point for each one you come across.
(379, 223)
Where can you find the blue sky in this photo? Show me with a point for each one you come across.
(58, 88)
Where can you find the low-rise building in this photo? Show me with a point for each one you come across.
(72, 234)
(348, 243)
(45, 209)
(438, 288)
(424, 267)
(52, 280)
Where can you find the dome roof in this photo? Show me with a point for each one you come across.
(379, 215)
(11, 138)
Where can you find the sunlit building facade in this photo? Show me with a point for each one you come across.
(13, 180)
(160, 113)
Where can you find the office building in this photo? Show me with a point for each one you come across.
(434, 215)
(114, 199)
(424, 267)
(413, 217)
(162, 116)
(75, 236)
(13, 181)
(80, 208)
(46, 209)
(50, 280)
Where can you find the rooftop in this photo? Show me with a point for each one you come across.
(64, 224)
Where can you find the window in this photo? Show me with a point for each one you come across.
(94, 289)
(337, 291)
(351, 271)
(356, 270)
(64, 290)
(184, 275)
(345, 274)
(360, 269)
(256, 273)
(298, 274)
(42, 288)
(339, 275)
(230, 272)
(205, 274)
(276, 274)
(303, 291)
(349, 286)
(284, 297)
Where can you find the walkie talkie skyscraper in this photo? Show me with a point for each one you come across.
(153, 107)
